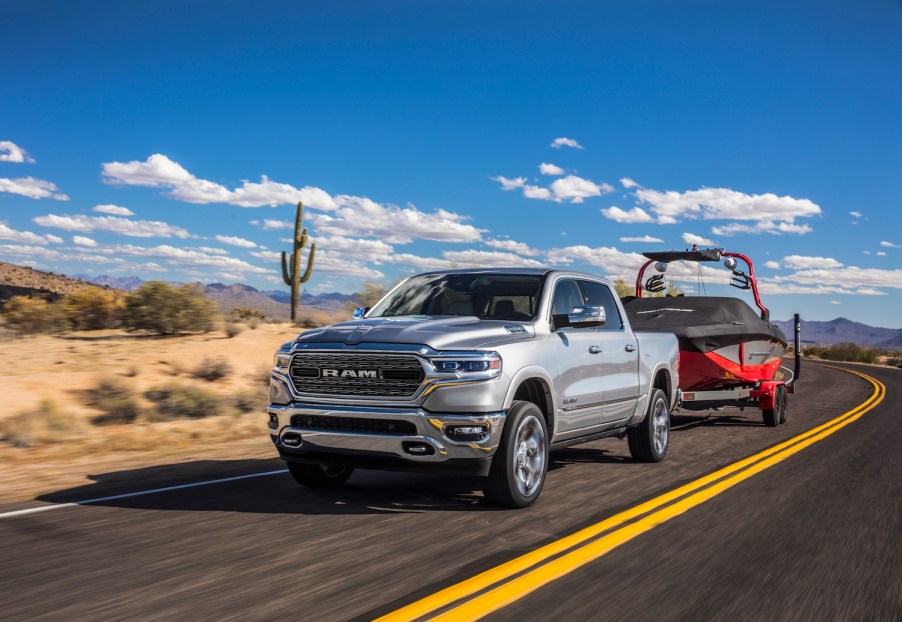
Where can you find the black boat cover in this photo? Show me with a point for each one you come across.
(708, 254)
(701, 323)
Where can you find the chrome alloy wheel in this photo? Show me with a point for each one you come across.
(529, 456)
(660, 420)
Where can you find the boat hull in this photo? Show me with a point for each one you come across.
(741, 364)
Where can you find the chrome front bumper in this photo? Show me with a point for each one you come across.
(431, 430)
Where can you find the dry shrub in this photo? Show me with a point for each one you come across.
(232, 329)
(212, 369)
(167, 310)
(314, 318)
(93, 308)
(249, 401)
(253, 323)
(177, 401)
(30, 316)
(117, 401)
(42, 425)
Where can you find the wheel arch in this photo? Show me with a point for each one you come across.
(533, 385)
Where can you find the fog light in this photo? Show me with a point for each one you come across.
(292, 439)
(418, 449)
(465, 432)
(273, 421)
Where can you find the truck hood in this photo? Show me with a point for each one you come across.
(439, 333)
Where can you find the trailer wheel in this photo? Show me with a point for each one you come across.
(319, 475)
(520, 463)
(783, 401)
(776, 415)
(649, 440)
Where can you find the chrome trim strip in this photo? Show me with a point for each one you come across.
(603, 403)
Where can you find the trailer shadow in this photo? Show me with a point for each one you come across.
(715, 419)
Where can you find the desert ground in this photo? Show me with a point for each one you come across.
(50, 441)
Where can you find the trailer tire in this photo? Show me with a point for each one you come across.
(649, 440)
(520, 463)
(319, 475)
(783, 401)
(776, 415)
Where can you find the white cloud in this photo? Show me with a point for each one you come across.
(576, 189)
(115, 210)
(26, 237)
(557, 143)
(515, 247)
(691, 238)
(835, 302)
(802, 262)
(83, 241)
(235, 241)
(536, 192)
(420, 263)
(122, 226)
(351, 248)
(612, 261)
(550, 169)
(11, 152)
(185, 257)
(267, 255)
(510, 184)
(645, 239)
(488, 259)
(627, 183)
(158, 171)
(270, 224)
(886, 244)
(773, 265)
(32, 188)
(637, 214)
(773, 214)
(855, 214)
(364, 217)
(329, 263)
(213, 250)
(881, 254)
(866, 280)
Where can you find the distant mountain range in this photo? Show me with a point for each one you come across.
(842, 330)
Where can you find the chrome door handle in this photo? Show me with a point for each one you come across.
(629, 347)
(594, 349)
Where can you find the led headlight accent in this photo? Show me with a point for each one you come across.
(469, 364)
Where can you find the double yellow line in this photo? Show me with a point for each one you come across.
(476, 597)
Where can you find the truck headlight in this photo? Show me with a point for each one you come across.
(468, 364)
(280, 362)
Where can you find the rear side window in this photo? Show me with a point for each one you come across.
(599, 295)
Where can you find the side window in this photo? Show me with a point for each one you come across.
(599, 295)
(566, 296)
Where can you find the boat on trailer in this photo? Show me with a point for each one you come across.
(730, 355)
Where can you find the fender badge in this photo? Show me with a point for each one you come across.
(515, 329)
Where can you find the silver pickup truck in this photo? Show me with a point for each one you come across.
(479, 372)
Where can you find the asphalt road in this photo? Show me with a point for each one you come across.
(815, 536)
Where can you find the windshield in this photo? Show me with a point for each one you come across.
(486, 296)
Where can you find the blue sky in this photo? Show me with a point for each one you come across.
(171, 140)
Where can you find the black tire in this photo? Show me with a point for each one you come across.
(319, 475)
(520, 463)
(649, 440)
(784, 403)
(776, 415)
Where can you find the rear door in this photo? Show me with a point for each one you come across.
(619, 371)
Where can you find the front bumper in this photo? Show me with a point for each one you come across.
(425, 443)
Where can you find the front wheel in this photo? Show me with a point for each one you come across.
(519, 466)
(649, 440)
(319, 475)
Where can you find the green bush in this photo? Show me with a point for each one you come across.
(844, 352)
(212, 369)
(177, 401)
(30, 316)
(93, 308)
(116, 400)
(169, 310)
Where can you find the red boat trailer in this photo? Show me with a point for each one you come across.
(745, 389)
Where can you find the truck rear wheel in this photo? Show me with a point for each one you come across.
(319, 475)
(649, 440)
(519, 466)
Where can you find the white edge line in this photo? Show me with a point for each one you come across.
(139, 493)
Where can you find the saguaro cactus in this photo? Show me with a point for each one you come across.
(292, 276)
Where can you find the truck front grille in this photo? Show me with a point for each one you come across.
(367, 375)
(354, 424)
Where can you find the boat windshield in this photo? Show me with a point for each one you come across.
(486, 296)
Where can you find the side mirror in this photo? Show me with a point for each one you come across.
(360, 312)
(580, 317)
